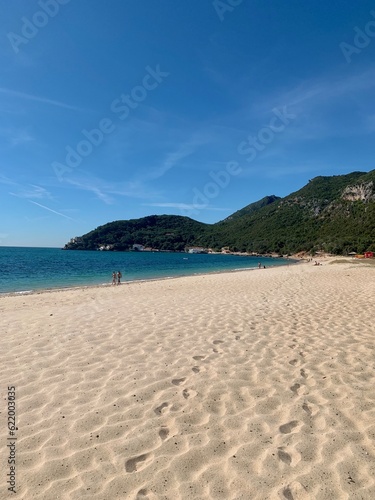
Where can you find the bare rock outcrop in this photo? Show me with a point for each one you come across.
(362, 192)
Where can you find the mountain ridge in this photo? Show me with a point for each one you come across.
(331, 213)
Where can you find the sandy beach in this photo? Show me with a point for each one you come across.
(246, 385)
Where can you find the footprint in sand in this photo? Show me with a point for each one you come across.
(137, 463)
(178, 381)
(188, 393)
(164, 433)
(160, 408)
(288, 494)
(142, 494)
(196, 369)
(306, 408)
(145, 494)
(294, 388)
(218, 342)
(287, 428)
(198, 358)
(289, 456)
(238, 337)
(293, 362)
(303, 373)
(311, 409)
(215, 351)
(284, 457)
(294, 491)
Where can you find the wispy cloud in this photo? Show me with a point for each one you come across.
(16, 137)
(179, 206)
(319, 105)
(7, 181)
(30, 193)
(23, 137)
(173, 159)
(51, 210)
(106, 191)
(34, 192)
(311, 92)
(89, 186)
(44, 100)
(185, 206)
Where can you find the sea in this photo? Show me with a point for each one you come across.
(26, 270)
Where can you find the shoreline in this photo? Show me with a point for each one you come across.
(293, 260)
(23, 293)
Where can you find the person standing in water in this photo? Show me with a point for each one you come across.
(119, 276)
(114, 278)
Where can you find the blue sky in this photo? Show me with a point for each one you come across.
(122, 109)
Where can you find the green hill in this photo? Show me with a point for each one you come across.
(335, 214)
(162, 232)
(253, 207)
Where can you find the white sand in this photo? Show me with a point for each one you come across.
(249, 385)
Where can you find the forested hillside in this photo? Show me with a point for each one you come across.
(335, 214)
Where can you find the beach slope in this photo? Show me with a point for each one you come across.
(246, 385)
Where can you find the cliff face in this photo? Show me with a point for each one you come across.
(359, 192)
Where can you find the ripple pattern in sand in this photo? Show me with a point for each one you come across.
(241, 393)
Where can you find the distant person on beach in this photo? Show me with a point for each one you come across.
(119, 276)
(114, 278)
(259, 265)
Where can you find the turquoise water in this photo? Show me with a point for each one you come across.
(28, 269)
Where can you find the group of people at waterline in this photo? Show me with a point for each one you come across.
(116, 278)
